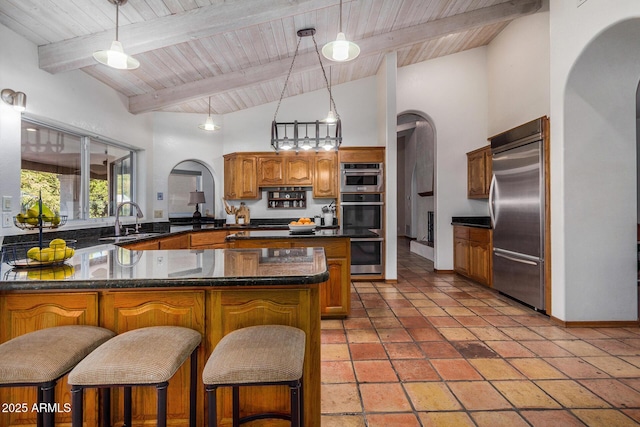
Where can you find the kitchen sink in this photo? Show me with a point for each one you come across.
(128, 237)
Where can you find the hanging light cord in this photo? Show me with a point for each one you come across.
(335, 110)
(295, 54)
(340, 15)
(117, 14)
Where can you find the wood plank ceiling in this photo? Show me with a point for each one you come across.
(239, 51)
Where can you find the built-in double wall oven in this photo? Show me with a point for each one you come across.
(362, 207)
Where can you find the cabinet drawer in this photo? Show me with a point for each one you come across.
(207, 238)
(461, 232)
(333, 248)
(480, 235)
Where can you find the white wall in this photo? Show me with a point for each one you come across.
(453, 92)
(594, 77)
(518, 73)
(71, 99)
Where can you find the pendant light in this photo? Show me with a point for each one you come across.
(115, 56)
(208, 125)
(341, 49)
(331, 118)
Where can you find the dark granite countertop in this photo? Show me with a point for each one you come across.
(472, 221)
(286, 234)
(112, 267)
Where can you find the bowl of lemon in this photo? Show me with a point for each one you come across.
(55, 252)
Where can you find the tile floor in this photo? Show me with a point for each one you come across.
(437, 350)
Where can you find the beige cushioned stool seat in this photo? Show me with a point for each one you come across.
(257, 354)
(47, 354)
(142, 356)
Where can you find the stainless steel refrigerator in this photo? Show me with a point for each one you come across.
(517, 209)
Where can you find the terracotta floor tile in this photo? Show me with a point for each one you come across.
(331, 324)
(570, 394)
(415, 370)
(394, 335)
(614, 392)
(439, 350)
(555, 418)
(536, 369)
(575, 367)
(614, 347)
(488, 333)
(443, 321)
(457, 334)
(501, 320)
(478, 395)
(392, 420)
(357, 323)
(604, 417)
(379, 312)
(334, 352)
(357, 312)
(385, 322)
(552, 332)
(472, 321)
(512, 310)
(405, 311)
(472, 302)
(337, 372)
(586, 333)
(546, 348)
(455, 369)
(474, 349)
(525, 395)
(426, 334)
(374, 371)
(333, 336)
(498, 419)
(403, 351)
(633, 413)
(423, 302)
(384, 398)
(399, 303)
(495, 369)
(580, 348)
(509, 349)
(414, 322)
(620, 332)
(445, 419)
(342, 421)
(634, 383)
(614, 366)
(520, 333)
(362, 335)
(367, 351)
(432, 311)
(485, 310)
(534, 319)
(340, 399)
(431, 396)
(459, 311)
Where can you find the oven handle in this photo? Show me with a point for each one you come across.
(361, 203)
(367, 239)
(363, 172)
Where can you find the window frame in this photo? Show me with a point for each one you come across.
(85, 164)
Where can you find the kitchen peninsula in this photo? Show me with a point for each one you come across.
(211, 291)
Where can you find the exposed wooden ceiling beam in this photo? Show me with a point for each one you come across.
(305, 62)
(170, 30)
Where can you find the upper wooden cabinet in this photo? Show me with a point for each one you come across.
(325, 173)
(479, 173)
(362, 155)
(240, 178)
(277, 170)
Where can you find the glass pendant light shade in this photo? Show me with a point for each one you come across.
(331, 118)
(341, 49)
(116, 58)
(209, 125)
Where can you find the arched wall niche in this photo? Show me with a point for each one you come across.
(187, 176)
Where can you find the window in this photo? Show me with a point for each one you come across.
(76, 175)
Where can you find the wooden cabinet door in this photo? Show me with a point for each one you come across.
(298, 170)
(212, 239)
(479, 173)
(125, 311)
(240, 177)
(230, 185)
(325, 175)
(480, 262)
(22, 313)
(175, 242)
(335, 300)
(243, 263)
(461, 256)
(270, 171)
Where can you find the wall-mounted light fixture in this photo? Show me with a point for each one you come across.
(16, 99)
(115, 56)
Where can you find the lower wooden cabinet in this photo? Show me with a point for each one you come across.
(22, 313)
(472, 258)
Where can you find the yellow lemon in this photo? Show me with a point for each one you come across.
(32, 212)
(33, 253)
(57, 243)
(47, 254)
(57, 253)
(31, 221)
(68, 252)
(55, 220)
(20, 218)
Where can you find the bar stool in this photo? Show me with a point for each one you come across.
(42, 357)
(253, 356)
(140, 357)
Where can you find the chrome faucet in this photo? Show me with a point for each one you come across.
(138, 215)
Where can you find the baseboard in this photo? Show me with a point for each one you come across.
(391, 281)
(435, 270)
(596, 324)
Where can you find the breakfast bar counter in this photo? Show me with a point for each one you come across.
(211, 291)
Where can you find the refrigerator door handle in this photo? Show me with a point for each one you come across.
(491, 201)
(523, 261)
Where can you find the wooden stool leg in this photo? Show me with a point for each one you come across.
(106, 407)
(295, 405)
(127, 407)
(162, 404)
(48, 391)
(76, 406)
(236, 406)
(212, 409)
(193, 394)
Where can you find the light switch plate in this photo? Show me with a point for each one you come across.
(157, 213)
(6, 220)
(6, 203)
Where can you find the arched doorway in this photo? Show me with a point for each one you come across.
(416, 174)
(185, 177)
(595, 276)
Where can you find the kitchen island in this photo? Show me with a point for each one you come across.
(211, 291)
(335, 296)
